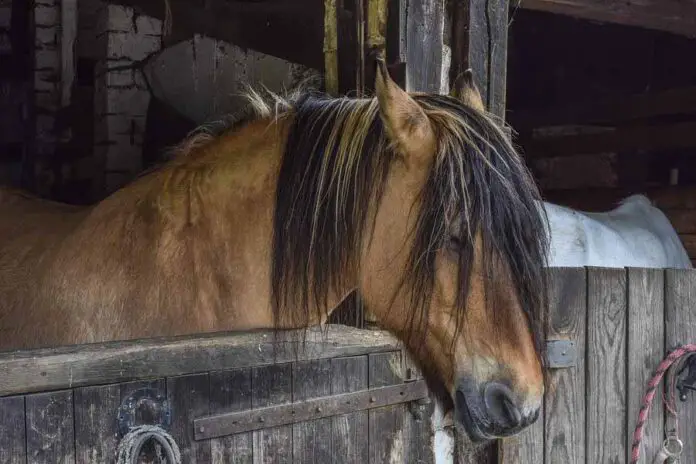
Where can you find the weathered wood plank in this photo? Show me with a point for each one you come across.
(645, 350)
(272, 385)
(188, 396)
(606, 365)
(680, 328)
(349, 431)
(479, 42)
(12, 431)
(50, 428)
(96, 429)
(150, 450)
(424, 45)
(386, 425)
(565, 403)
(418, 424)
(311, 440)
(45, 369)
(230, 391)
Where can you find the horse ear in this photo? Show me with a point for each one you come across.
(466, 91)
(406, 123)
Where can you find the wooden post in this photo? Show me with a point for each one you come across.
(479, 41)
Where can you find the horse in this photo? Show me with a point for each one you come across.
(633, 234)
(418, 202)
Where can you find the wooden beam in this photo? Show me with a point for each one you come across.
(676, 101)
(479, 42)
(424, 45)
(677, 135)
(289, 29)
(675, 16)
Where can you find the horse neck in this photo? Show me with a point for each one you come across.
(222, 217)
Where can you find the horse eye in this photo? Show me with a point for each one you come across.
(456, 242)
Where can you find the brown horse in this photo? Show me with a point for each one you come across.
(419, 202)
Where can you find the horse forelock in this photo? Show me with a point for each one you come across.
(334, 167)
(480, 180)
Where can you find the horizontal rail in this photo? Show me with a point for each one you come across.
(273, 416)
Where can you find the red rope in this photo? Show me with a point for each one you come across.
(650, 394)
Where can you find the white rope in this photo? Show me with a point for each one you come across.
(130, 446)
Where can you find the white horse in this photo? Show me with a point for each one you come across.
(634, 234)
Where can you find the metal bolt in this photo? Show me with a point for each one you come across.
(372, 399)
(261, 419)
(318, 409)
(201, 429)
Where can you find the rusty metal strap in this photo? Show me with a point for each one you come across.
(272, 416)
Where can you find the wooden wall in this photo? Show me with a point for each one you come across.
(605, 108)
(622, 322)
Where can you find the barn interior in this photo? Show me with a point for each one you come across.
(602, 100)
(601, 95)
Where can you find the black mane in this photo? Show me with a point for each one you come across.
(324, 194)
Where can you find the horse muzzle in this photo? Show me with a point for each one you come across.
(491, 410)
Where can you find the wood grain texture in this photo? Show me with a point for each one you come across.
(102, 363)
(680, 295)
(50, 428)
(12, 431)
(349, 431)
(272, 385)
(386, 425)
(96, 429)
(188, 396)
(645, 348)
(311, 440)
(606, 366)
(479, 42)
(424, 45)
(230, 391)
(526, 447)
(565, 402)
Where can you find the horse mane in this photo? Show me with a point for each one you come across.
(334, 168)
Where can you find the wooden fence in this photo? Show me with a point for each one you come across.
(229, 398)
(622, 323)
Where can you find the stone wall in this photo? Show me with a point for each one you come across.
(121, 97)
(47, 88)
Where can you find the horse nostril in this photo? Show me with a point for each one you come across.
(501, 407)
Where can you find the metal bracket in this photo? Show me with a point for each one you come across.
(272, 416)
(561, 354)
(144, 406)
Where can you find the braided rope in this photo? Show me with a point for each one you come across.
(650, 394)
(132, 443)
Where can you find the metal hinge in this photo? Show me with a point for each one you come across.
(560, 354)
(272, 416)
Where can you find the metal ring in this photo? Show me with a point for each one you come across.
(680, 446)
